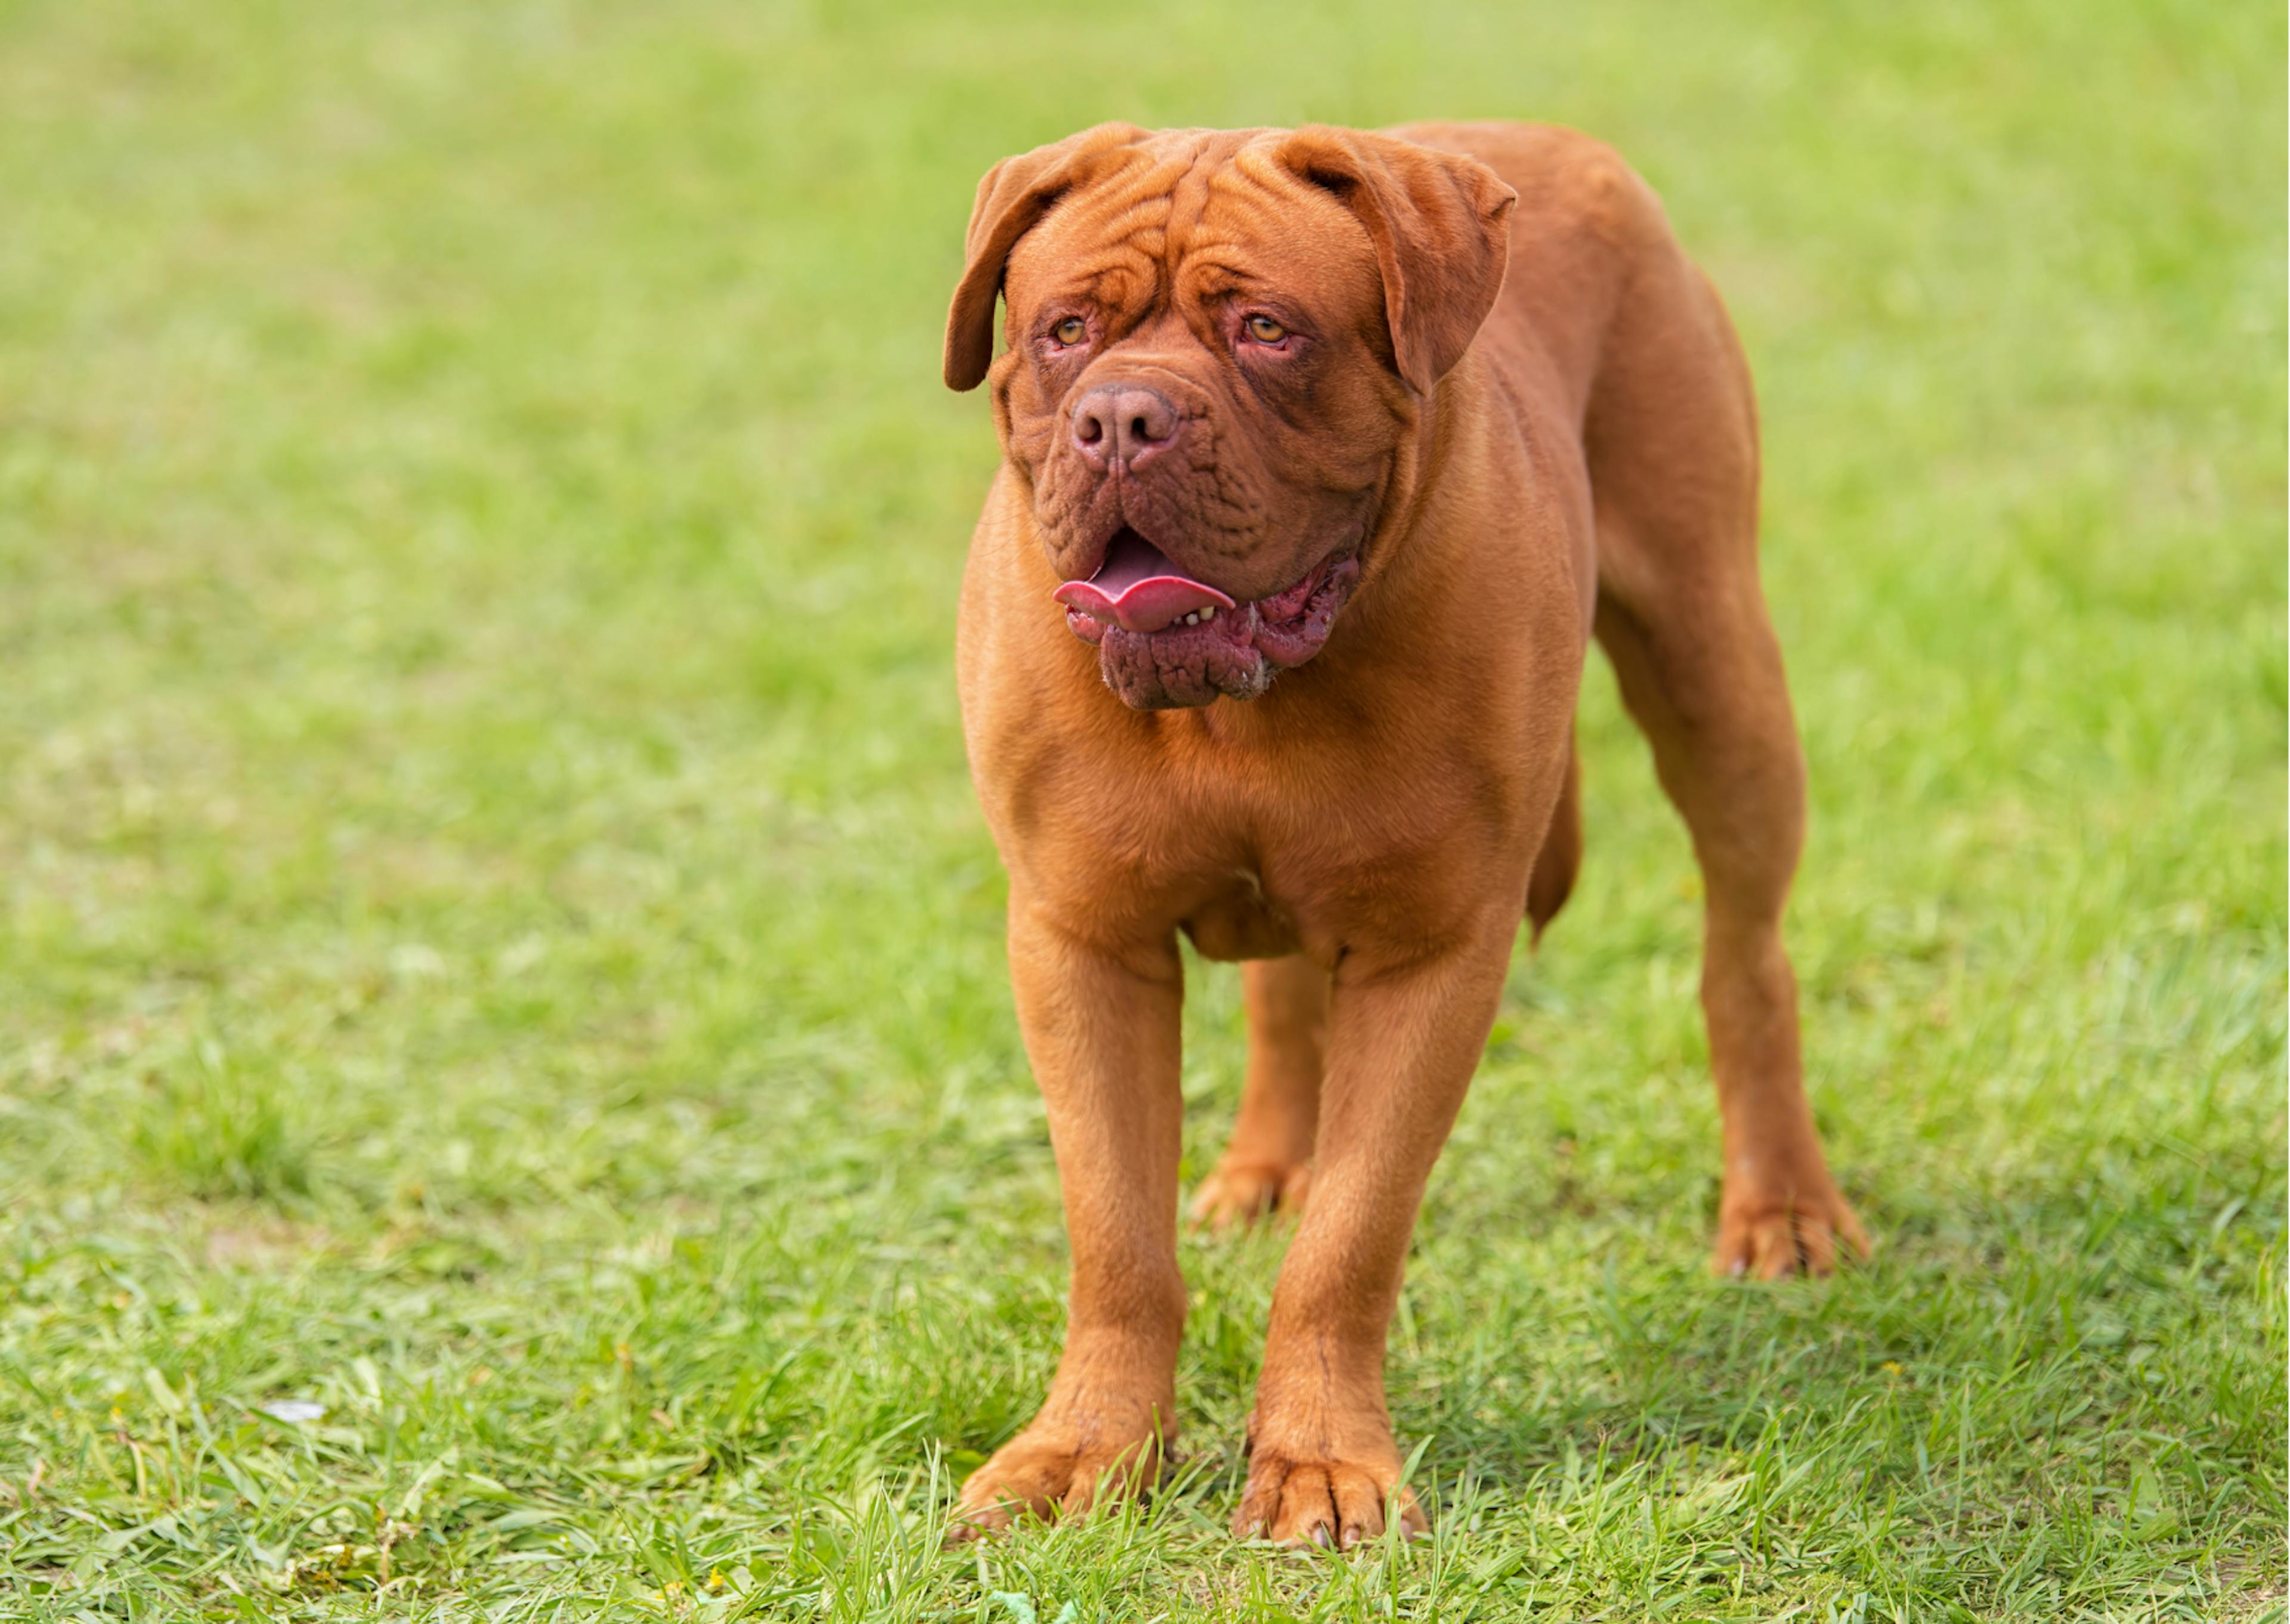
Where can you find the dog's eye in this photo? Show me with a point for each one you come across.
(1264, 329)
(1073, 329)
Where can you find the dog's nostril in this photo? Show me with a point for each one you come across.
(1123, 422)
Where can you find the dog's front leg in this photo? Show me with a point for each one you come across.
(1101, 1026)
(1403, 1042)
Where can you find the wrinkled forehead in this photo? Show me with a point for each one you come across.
(1196, 214)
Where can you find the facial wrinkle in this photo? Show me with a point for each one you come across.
(1189, 200)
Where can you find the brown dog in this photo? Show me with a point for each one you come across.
(1271, 633)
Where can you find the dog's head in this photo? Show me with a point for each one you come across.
(1217, 344)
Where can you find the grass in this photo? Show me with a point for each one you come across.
(498, 945)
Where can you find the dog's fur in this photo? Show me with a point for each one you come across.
(1514, 460)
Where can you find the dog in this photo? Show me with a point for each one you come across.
(1326, 455)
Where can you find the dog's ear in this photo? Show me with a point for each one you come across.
(1437, 221)
(1015, 194)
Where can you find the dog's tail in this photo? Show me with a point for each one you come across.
(1561, 856)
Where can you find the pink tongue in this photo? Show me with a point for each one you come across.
(1138, 590)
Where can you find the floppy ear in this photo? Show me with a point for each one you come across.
(1437, 222)
(1015, 193)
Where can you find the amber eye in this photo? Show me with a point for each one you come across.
(1264, 329)
(1073, 329)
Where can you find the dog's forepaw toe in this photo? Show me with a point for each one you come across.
(1053, 1476)
(1328, 1503)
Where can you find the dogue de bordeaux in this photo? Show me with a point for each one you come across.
(1325, 454)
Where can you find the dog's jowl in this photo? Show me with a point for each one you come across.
(1326, 455)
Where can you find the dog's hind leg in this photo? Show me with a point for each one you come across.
(1268, 1162)
(1732, 767)
(1671, 435)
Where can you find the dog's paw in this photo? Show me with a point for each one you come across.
(1048, 1472)
(1243, 1192)
(1337, 1502)
(1769, 1237)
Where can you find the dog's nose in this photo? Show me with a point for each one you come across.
(1120, 424)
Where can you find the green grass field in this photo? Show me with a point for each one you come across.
(499, 943)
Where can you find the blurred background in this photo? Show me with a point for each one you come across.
(499, 943)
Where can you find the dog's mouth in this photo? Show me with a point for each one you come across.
(1166, 639)
(1138, 590)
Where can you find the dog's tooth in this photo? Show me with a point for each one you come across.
(1192, 620)
(1209, 613)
